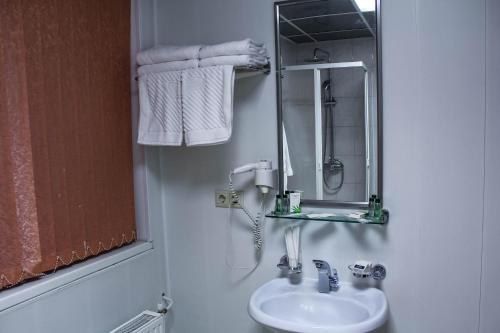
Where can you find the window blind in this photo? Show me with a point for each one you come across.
(66, 182)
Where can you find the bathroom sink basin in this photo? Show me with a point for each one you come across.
(298, 307)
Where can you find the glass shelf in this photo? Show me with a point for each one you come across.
(342, 217)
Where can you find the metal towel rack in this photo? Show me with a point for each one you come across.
(246, 71)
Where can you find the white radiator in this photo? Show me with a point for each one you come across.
(146, 322)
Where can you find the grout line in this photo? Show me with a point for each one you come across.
(299, 29)
(484, 161)
(165, 219)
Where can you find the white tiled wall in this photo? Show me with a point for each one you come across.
(433, 67)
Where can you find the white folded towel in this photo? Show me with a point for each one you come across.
(168, 66)
(207, 102)
(160, 121)
(235, 60)
(246, 46)
(164, 53)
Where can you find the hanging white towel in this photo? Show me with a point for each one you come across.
(207, 102)
(168, 66)
(246, 46)
(160, 121)
(287, 163)
(235, 60)
(165, 53)
(292, 244)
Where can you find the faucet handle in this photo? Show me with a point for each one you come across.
(322, 266)
(334, 280)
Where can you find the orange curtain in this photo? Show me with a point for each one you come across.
(66, 190)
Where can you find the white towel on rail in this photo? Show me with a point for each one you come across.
(165, 53)
(287, 163)
(160, 121)
(207, 102)
(235, 60)
(168, 66)
(246, 46)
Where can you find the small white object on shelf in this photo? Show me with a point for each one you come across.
(321, 215)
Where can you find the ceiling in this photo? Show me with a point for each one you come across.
(325, 20)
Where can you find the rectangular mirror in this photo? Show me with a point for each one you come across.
(329, 100)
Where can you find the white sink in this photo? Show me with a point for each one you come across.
(285, 306)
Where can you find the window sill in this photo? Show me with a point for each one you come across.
(30, 291)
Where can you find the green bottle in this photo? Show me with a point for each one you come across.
(377, 209)
(278, 207)
(371, 206)
(286, 204)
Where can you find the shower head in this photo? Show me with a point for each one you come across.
(317, 59)
(314, 60)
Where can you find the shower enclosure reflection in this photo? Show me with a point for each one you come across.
(329, 101)
(331, 165)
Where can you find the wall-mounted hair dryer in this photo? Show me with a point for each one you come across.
(263, 174)
(264, 182)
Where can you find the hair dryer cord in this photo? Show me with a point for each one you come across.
(256, 224)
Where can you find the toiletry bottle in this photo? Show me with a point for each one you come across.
(371, 203)
(287, 193)
(294, 197)
(286, 204)
(278, 205)
(377, 209)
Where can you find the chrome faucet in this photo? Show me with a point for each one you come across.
(328, 279)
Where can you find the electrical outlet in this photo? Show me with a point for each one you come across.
(224, 199)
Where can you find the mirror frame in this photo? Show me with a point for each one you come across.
(380, 145)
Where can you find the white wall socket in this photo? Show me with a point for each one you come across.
(223, 198)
